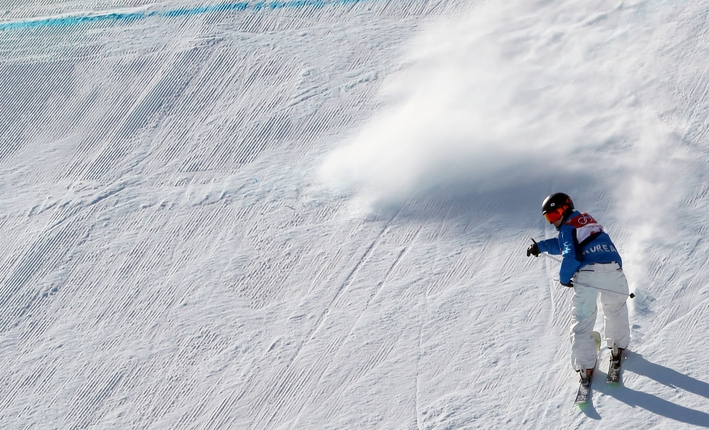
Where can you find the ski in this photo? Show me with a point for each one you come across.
(614, 367)
(584, 391)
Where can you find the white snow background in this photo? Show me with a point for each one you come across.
(315, 214)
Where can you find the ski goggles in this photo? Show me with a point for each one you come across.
(555, 215)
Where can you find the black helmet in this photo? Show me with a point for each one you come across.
(553, 203)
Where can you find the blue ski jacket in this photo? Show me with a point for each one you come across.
(582, 241)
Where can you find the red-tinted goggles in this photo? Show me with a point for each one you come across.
(555, 215)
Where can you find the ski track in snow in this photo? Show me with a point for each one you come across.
(171, 258)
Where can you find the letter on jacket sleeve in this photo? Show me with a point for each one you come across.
(569, 263)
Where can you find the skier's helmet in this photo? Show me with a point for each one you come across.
(557, 206)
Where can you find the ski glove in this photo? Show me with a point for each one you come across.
(569, 285)
(533, 250)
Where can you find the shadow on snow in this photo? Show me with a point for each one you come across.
(637, 364)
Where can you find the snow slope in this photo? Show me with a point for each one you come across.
(313, 214)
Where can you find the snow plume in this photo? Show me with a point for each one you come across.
(650, 192)
(552, 93)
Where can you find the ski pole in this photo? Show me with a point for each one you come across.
(552, 257)
(631, 295)
(547, 255)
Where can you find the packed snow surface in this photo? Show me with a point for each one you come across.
(314, 214)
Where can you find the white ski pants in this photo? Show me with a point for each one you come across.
(615, 311)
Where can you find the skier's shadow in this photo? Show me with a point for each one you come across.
(637, 364)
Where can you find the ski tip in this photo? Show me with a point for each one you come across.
(581, 402)
(613, 378)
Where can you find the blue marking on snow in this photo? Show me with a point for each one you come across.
(75, 20)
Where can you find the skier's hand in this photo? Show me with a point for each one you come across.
(533, 250)
(569, 285)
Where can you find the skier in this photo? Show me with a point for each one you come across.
(590, 259)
